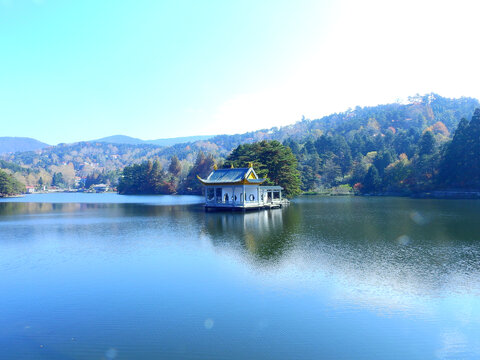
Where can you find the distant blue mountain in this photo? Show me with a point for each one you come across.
(179, 140)
(16, 144)
(120, 139)
(123, 139)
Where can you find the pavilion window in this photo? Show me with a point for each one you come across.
(210, 194)
(276, 195)
(218, 194)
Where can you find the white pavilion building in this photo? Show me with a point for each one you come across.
(240, 188)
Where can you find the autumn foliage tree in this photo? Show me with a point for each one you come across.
(203, 167)
(175, 166)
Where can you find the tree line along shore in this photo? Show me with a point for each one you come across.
(428, 167)
(429, 147)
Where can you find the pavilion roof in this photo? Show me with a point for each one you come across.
(240, 176)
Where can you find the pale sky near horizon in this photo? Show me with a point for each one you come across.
(85, 69)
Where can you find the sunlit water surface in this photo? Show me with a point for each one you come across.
(103, 276)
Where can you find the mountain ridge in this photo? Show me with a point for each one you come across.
(12, 144)
(125, 139)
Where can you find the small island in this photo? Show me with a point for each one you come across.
(240, 189)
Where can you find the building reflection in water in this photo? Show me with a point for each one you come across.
(267, 235)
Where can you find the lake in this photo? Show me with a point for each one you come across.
(104, 276)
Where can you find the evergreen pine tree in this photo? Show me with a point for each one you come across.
(271, 160)
(175, 166)
(427, 143)
(372, 180)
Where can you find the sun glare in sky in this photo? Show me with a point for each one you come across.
(80, 70)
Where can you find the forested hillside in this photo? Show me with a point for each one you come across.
(394, 161)
(396, 148)
(418, 113)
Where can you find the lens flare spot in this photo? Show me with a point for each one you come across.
(208, 323)
(403, 240)
(418, 218)
(111, 354)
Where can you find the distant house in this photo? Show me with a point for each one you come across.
(240, 189)
(100, 188)
(30, 189)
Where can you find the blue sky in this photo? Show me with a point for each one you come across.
(79, 70)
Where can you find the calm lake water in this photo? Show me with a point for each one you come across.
(103, 276)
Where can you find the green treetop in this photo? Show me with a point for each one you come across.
(271, 160)
(9, 185)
